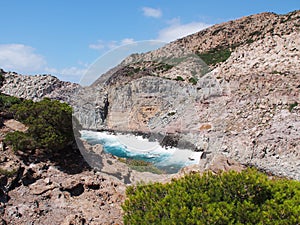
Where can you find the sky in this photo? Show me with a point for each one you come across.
(65, 37)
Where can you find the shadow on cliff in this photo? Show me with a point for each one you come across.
(69, 160)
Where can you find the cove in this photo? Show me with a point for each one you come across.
(168, 159)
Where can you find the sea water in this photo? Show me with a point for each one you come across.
(169, 159)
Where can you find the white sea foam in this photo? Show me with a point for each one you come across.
(138, 147)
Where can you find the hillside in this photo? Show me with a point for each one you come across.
(245, 107)
(231, 91)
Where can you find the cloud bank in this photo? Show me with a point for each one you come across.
(19, 57)
(23, 59)
(108, 45)
(178, 30)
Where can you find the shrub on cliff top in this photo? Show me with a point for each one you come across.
(248, 197)
(49, 122)
(1, 79)
(7, 101)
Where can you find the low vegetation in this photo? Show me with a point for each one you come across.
(214, 56)
(8, 173)
(164, 66)
(179, 78)
(49, 122)
(249, 197)
(292, 106)
(141, 165)
(193, 80)
(7, 101)
(1, 78)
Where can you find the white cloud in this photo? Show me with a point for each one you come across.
(19, 57)
(108, 45)
(177, 30)
(24, 60)
(152, 12)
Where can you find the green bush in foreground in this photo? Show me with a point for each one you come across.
(49, 122)
(248, 197)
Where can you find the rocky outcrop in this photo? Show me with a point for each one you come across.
(54, 197)
(245, 108)
(42, 192)
(241, 109)
(260, 128)
(37, 87)
(230, 34)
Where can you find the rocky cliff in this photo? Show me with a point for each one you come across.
(243, 105)
(232, 89)
(37, 87)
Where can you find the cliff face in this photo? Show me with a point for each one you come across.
(243, 105)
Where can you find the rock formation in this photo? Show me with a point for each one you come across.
(242, 107)
(239, 110)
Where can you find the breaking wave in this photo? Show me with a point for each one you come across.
(130, 146)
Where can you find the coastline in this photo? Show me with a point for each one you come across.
(169, 159)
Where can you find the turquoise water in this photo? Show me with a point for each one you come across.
(170, 160)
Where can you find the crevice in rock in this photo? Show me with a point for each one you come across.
(94, 186)
(28, 178)
(77, 190)
(105, 110)
(15, 183)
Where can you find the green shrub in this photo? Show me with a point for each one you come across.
(248, 197)
(20, 141)
(49, 122)
(166, 67)
(179, 78)
(215, 56)
(1, 78)
(8, 173)
(292, 105)
(171, 113)
(141, 165)
(7, 101)
(193, 80)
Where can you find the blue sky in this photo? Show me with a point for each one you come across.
(64, 37)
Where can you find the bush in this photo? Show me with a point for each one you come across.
(292, 106)
(141, 165)
(8, 173)
(215, 56)
(7, 101)
(49, 122)
(2, 78)
(179, 78)
(193, 80)
(20, 141)
(248, 197)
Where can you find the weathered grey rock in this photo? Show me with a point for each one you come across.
(37, 87)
